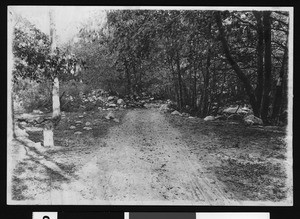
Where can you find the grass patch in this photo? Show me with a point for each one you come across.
(18, 187)
(253, 181)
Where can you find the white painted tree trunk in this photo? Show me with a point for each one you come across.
(48, 129)
(55, 98)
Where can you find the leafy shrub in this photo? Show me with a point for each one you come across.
(29, 95)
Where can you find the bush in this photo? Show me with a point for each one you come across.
(29, 95)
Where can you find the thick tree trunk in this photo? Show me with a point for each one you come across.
(268, 66)
(206, 83)
(55, 98)
(243, 78)
(260, 57)
(48, 129)
(279, 88)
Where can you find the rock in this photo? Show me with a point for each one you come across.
(88, 123)
(81, 116)
(246, 109)
(37, 111)
(220, 117)
(116, 120)
(78, 122)
(191, 117)
(232, 110)
(77, 133)
(110, 115)
(176, 113)
(185, 114)
(72, 127)
(164, 108)
(112, 105)
(33, 129)
(120, 102)
(21, 132)
(209, 118)
(38, 144)
(23, 124)
(110, 98)
(87, 128)
(235, 117)
(252, 120)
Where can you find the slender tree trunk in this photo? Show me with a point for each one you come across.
(268, 66)
(219, 96)
(179, 81)
(260, 57)
(243, 78)
(128, 78)
(195, 89)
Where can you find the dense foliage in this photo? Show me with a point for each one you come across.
(33, 57)
(202, 60)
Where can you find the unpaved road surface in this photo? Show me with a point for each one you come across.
(145, 161)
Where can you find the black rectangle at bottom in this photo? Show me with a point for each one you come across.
(90, 215)
(162, 215)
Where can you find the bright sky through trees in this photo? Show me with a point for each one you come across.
(68, 19)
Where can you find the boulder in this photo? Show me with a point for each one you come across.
(164, 108)
(77, 133)
(110, 115)
(120, 102)
(111, 105)
(252, 120)
(191, 117)
(185, 114)
(20, 132)
(23, 124)
(231, 110)
(116, 120)
(72, 127)
(110, 98)
(176, 113)
(88, 123)
(235, 117)
(220, 117)
(81, 116)
(209, 118)
(37, 111)
(87, 128)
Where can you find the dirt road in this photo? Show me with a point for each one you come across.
(145, 161)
